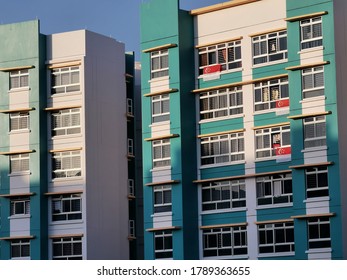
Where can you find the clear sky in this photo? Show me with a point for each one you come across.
(119, 19)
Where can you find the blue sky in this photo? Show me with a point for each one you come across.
(119, 19)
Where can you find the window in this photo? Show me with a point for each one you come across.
(19, 78)
(314, 132)
(65, 79)
(162, 199)
(132, 228)
(311, 33)
(226, 55)
(19, 163)
(271, 94)
(226, 241)
(131, 187)
(20, 248)
(275, 189)
(66, 164)
(276, 238)
(161, 153)
(159, 63)
(20, 206)
(66, 122)
(312, 82)
(66, 207)
(223, 195)
(317, 182)
(272, 141)
(221, 103)
(130, 110)
(319, 233)
(130, 147)
(270, 47)
(67, 248)
(163, 244)
(19, 121)
(226, 148)
(160, 108)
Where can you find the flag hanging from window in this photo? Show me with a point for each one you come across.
(212, 69)
(283, 151)
(282, 103)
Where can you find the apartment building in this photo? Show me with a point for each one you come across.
(65, 149)
(243, 119)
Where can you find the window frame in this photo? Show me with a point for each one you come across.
(65, 87)
(268, 94)
(267, 54)
(58, 160)
(316, 229)
(24, 206)
(315, 190)
(271, 190)
(164, 238)
(275, 141)
(313, 41)
(224, 241)
(164, 159)
(59, 119)
(24, 248)
(61, 202)
(22, 75)
(227, 55)
(318, 141)
(217, 107)
(235, 192)
(312, 73)
(162, 69)
(22, 161)
(267, 238)
(67, 243)
(21, 121)
(215, 143)
(164, 205)
(164, 108)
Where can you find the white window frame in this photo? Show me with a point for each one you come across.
(267, 238)
(315, 179)
(163, 103)
(130, 147)
(221, 103)
(162, 199)
(67, 164)
(269, 47)
(267, 140)
(267, 94)
(19, 163)
(131, 187)
(130, 108)
(66, 207)
(224, 195)
(223, 242)
(132, 229)
(312, 82)
(306, 30)
(19, 121)
(66, 122)
(227, 55)
(75, 245)
(273, 189)
(161, 153)
(159, 63)
(24, 248)
(19, 206)
(317, 231)
(222, 149)
(62, 80)
(315, 140)
(163, 238)
(19, 79)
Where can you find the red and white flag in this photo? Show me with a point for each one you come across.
(282, 103)
(283, 151)
(212, 69)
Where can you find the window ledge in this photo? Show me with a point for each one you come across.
(273, 110)
(22, 173)
(52, 223)
(314, 149)
(164, 78)
(19, 216)
(311, 50)
(222, 164)
(160, 168)
(269, 255)
(19, 131)
(160, 123)
(57, 137)
(318, 251)
(222, 118)
(279, 205)
(64, 94)
(317, 199)
(230, 257)
(163, 214)
(67, 179)
(219, 211)
(269, 63)
(14, 90)
(312, 99)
